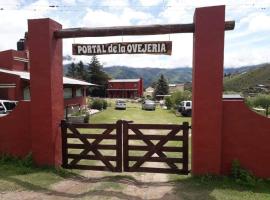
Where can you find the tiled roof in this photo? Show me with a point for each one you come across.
(123, 80)
(66, 80)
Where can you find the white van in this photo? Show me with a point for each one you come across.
(185, 108)
(6, 106)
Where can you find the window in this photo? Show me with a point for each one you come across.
(188, 104)
(10, 105)
(67, 93)
(135, 85)
(2, 109)
(79, 92)
(26, 93)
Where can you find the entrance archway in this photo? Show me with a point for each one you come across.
(45, 46)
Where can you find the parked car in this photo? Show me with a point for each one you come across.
(6, 106)
(185, 108)
(149, 105)
(120, 104)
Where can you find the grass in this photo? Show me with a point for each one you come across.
(218, 188)
(18, 173)
(137, 115)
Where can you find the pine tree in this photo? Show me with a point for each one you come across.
(72, 70)
(97, 76)
(81, 71)
(162, 87)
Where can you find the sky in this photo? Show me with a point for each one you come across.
(247, 44)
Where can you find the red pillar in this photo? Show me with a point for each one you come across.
(208, 50)
(46, 87)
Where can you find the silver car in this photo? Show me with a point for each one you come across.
(120, 104)
(149, 105)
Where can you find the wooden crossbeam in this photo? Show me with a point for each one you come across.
(155, 148)
(91, 147)
(157, 29)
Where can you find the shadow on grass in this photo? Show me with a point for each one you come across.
(184, 187)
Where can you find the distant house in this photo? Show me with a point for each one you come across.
(15, 80)
(125, 88)
(149, 92)
(176, 87)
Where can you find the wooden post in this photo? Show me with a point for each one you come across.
(185, 147)
(125, 146)
(119, 144)
(64, 143)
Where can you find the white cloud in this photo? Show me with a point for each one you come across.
(251, 21)
(260, 22)
(150, 2)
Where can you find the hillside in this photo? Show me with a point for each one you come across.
(248, 80)
(178, 75)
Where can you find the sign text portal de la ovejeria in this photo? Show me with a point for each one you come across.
(155, 47)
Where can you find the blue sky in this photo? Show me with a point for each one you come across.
(248, 44)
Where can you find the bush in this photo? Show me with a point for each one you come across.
(86, 118)
(241, 175)
(99, 104)
(105, 104)
(179, 96)
(168, 103)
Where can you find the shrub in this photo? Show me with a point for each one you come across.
(168, 103)
(179, 96)
(99, 104)
(105, 104)
(86, 118)
(241, 175)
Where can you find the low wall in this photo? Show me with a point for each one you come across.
(75, 100)
(245, 137)
(15, 131)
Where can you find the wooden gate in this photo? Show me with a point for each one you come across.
(164, 147)
(169, 151)
(76, 137)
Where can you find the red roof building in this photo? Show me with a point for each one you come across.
(15, 80)
(125, 88)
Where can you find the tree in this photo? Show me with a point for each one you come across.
(162, 87)
(81, 71)
(72, 70)
(263, 101)
(97, 76)
(179, 96)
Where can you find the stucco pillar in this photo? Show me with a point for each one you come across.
(46, 87)
(207, 87)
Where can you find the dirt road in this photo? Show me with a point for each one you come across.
(102, 185)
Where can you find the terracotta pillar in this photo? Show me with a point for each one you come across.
(46, 86)
(208, 50)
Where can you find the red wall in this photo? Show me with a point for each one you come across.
(207, 86)
(7, 60)
(15, 131)
(11, 93)
(245, 137)
(127, 85)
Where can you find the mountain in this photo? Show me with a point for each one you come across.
(149, 75)
(250, 80)
(174, 75)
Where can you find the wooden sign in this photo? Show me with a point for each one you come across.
(155, 47)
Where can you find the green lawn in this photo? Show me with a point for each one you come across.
(17, 174)
(137, 115)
